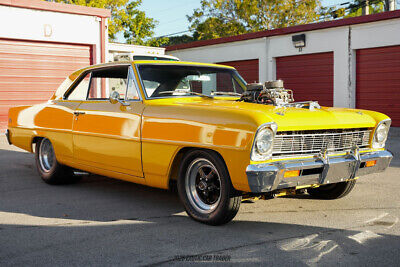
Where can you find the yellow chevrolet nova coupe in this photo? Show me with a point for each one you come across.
(201, 127)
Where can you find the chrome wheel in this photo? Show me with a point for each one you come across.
(46, 155)
(203, 185)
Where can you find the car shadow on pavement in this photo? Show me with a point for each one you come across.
(94, 198)
(175, 239)
(101, 221)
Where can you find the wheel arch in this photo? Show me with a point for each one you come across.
(173, 173)
(35, 141)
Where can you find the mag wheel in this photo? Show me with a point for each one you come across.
(205, 188)
(49, 169)
(203, 185)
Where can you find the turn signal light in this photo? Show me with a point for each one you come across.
(370, 163)
(291, 173)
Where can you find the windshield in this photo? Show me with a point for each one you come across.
(175, 80)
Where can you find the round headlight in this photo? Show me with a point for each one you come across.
(381, 133)
(264, 141)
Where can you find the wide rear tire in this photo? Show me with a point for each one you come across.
(48, 167)
(205, 188)
(332, 191)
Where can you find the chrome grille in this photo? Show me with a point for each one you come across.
(311, 142)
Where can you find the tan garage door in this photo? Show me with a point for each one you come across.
(30, 72)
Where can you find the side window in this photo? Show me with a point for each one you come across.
(132, 92)
(81, 89)
(107, 80)
(113, 84)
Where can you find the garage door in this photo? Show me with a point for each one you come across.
(30, 72)
(248, 69)
(309, 76)
(378, 81)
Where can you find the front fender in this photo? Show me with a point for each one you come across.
(168, 129)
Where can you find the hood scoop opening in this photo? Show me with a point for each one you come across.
(274, 93)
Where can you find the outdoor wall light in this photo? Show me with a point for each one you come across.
(299, 41)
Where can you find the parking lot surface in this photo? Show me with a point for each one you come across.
(101, 221)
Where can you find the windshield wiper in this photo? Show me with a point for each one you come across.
(184, 92)
(226, 93)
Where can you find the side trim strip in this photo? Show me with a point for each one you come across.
(81, 133)
(193, 144)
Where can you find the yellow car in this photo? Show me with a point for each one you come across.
(201, 127)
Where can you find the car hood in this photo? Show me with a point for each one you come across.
(291, 118)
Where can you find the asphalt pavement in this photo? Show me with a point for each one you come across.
(102, 221)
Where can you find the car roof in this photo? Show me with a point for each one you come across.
(76, 73)
(158, 56)
(189, 63)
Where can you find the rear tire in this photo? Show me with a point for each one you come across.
(205, 188)
(332, 191)
(48, 167)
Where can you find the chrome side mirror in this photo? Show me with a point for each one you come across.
(115, 98)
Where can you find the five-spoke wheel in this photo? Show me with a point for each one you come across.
(205, 188)
(203, 185)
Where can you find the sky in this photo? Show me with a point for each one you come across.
(171, 14)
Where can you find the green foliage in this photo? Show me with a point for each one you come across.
(219, 18)
(355, 9)
(136, 27)
(180, 39)
(160, 41)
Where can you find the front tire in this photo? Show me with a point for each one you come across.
(332, 191)
(48, 167)
(205, 188)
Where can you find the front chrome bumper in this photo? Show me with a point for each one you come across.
(319, 170)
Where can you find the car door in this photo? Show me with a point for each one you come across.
(56, 117)
(105, 135)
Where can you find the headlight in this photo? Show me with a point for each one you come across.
(263, 142)
(381, 134)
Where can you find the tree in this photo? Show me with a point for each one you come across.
(375, 6)
(219, 18)
(179, 39)
(126, 17)
(355, 9)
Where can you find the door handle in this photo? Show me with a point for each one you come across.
(77, 113)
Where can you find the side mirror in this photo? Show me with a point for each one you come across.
(115, 98)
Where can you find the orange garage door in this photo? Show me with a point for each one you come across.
(309, 76)
(30, 72)
(378, 81)
(248, 69)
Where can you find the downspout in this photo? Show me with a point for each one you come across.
(350, 65)
(103, 51)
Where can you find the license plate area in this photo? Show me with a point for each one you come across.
(340, 169)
